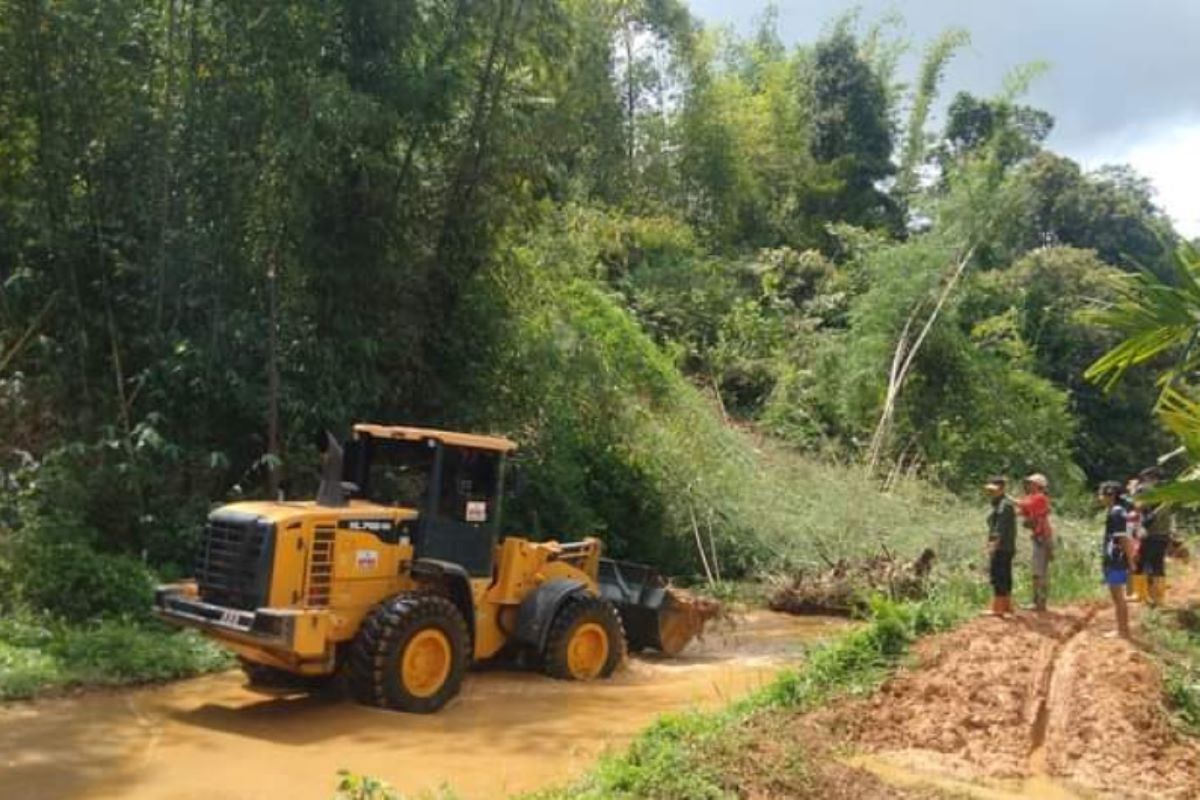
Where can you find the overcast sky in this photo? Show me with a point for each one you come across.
(1123, 84)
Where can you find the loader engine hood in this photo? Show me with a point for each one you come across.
(236, 562)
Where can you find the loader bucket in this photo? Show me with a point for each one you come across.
(656, 615)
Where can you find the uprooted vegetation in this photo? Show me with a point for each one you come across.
(846, 587)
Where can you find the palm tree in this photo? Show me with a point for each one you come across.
(1160, 323)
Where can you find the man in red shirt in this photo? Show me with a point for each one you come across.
(1034, 508)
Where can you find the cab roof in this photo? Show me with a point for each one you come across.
(405, 433)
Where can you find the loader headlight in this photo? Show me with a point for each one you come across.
(278, 626)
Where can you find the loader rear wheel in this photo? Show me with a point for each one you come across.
(586, 640)
(410, 654)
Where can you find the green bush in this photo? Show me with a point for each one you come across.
(25, 670)
(38, 654)
(72, 581)
(121, 651)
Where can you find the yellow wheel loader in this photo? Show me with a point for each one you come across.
(396, 578)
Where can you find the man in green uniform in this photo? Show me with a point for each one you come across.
(1002, 545)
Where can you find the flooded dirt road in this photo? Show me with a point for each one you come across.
(211, 738)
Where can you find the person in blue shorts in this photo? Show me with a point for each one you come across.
(1118, 551)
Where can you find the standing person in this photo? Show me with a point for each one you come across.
(1035, 511)
(1157, 524)
(1136, 590)
(1117, 551)
(1002, 545)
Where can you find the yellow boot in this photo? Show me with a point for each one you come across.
(1158, 591)
(1141, 587)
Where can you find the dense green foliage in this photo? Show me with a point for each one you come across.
(631, 242)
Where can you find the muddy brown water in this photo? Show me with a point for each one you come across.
(507, 732)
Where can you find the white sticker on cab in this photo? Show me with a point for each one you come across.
(366, 559)
(476, 511)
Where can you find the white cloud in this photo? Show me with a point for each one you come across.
(1169, 155)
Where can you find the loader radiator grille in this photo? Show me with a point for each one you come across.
(320, 569)
(234, 565)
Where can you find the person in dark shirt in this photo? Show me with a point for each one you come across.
(1157, 525)
(1117, 551)
(1002, 545)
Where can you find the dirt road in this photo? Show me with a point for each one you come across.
(1041, 706)
(210, 738)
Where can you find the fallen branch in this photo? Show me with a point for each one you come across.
(700, 546)
(13, 351)
(905, 356)
(845, 586)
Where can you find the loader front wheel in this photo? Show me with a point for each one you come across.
(586, 640)
(410, 654)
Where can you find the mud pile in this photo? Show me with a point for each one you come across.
(1110, 731)
(844, 586)
(1047, 695)
(973, 695)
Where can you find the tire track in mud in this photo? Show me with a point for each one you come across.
(1041, 705)
(1054, 687)
(1109, 731)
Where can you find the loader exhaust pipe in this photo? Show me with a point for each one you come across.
(330, 493)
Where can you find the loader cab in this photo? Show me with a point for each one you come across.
(454, 481)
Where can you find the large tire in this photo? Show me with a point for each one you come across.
(410, 654)
(586, 640)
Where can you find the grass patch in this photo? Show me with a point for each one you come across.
(1176, 640)
(39, 655)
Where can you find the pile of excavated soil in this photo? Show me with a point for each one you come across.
(1047, 694)
(973, 695)
(1108, 729)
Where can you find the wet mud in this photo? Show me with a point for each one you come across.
(1040, 706)
(508, 731)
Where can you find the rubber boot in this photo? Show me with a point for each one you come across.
(1157, 591)
(1040, 592)
(1141, 587)
(1006, 606)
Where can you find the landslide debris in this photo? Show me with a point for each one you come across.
(842, 587)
